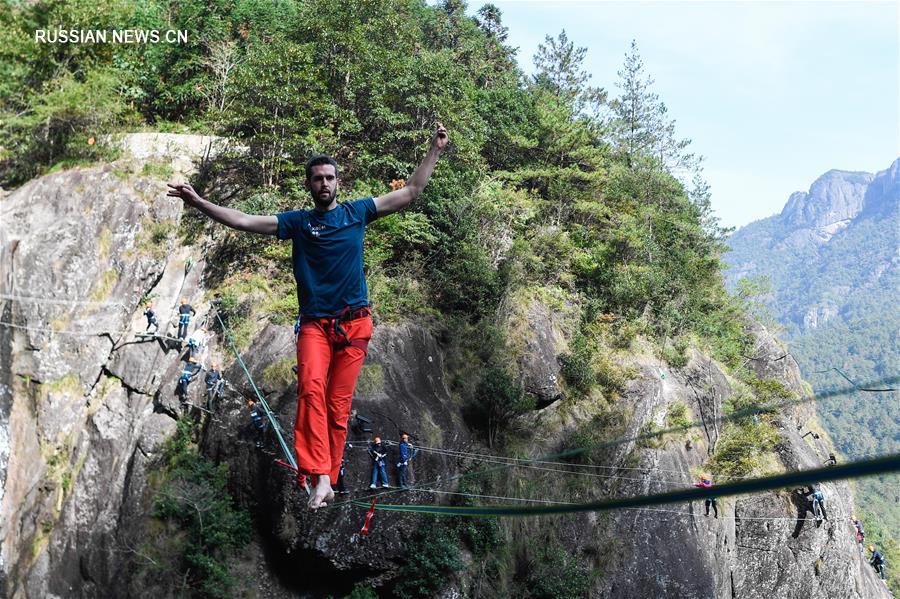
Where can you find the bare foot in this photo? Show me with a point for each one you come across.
(322, 493)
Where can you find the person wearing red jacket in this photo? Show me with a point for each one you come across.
(706, 483)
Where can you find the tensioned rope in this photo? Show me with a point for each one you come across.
(535, 463)
(57, 301)
(852, 382)
(743, 413)
(288, 454)
(858, 469)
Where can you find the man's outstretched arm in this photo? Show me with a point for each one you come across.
(252, 223)
(400, 198)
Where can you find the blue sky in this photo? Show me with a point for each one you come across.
(773, 94)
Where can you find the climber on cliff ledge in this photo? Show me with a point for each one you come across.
(378, 453)
(407, 452)
(334, 307)
(214, 382)
(185, 310)
(152, 320)
(860, 530)
(188, 374)
(877, 561)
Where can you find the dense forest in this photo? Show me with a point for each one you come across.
(552, 187)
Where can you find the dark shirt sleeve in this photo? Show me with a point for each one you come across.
(289, 223)
(365, 209)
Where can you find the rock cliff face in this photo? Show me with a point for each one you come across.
(85, 406)
(833, 200)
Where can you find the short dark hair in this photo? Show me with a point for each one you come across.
(316, 161)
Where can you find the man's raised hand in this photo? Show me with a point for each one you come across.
(440, 138)
(185, 192)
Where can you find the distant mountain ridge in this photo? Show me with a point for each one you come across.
(833, 261)
(841, 236)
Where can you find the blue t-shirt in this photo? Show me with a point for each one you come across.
(328, 256)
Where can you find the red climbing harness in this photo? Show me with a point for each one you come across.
(335, 332)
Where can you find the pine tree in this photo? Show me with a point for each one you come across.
(640, 123)
(560, 71)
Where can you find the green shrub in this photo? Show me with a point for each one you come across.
(66, 122)
(576, 366)
(280, 374)
(742, 445)
(649, 437)
(675, 353)
(194, 496)
(557, 575)
(362, 591)
(433, 556)
(678, 415)
(498, 399)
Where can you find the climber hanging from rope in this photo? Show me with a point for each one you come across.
(706, 483)
(331, 289)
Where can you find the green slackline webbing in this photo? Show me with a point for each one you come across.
(288, 454)
(746, 412)
(873, 467)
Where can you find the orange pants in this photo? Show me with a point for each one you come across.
(326, 376)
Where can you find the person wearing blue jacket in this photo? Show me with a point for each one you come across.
(407, 452)
(188, 374)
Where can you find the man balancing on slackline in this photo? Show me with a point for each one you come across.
(334, 306)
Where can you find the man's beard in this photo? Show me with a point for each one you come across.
(324, 203)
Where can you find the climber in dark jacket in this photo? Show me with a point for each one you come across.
(407, 453)
(706, 483)
(259, 423)
(184, 317)
(214, 382)
(152, 320)
(877, 561)
(378, 453)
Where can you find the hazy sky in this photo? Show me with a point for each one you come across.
(773, 94)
